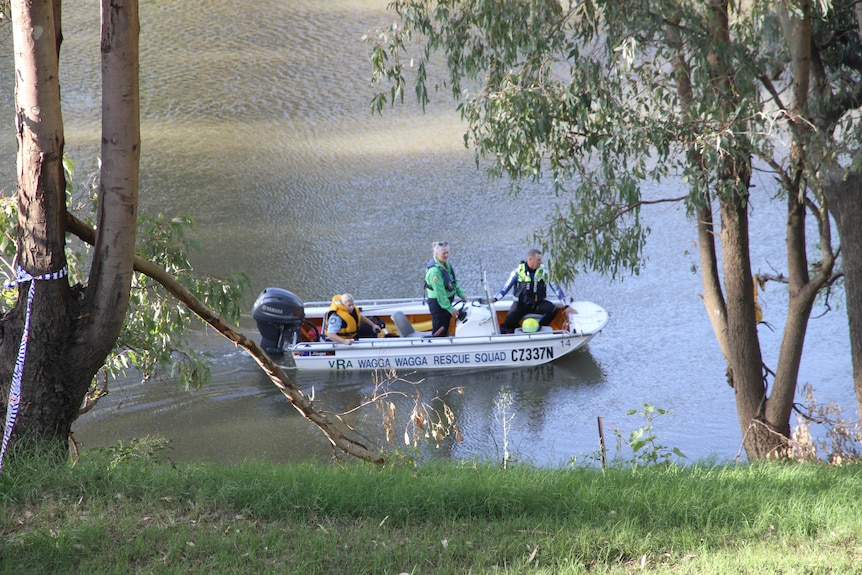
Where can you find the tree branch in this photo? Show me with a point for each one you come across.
(338, 433)
(619, 211)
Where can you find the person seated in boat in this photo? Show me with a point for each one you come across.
(343, 322)
(441, 287)
(531, 280)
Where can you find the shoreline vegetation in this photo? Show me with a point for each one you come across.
(129, 510)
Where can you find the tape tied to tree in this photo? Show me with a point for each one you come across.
(15, 389)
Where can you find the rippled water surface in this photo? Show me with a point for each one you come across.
(255, 120)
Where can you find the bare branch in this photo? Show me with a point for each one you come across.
(336, 432)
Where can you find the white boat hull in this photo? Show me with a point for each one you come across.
(475, 344)
(510, 350)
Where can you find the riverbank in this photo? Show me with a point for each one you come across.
(118, 511)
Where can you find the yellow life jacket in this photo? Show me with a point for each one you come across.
(349, 321)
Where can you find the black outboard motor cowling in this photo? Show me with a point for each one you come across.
(279, 314)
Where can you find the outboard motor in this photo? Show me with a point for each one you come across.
(279, 314)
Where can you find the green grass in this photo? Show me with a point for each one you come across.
(142, 516)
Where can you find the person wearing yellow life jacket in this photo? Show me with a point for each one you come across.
(344, 323)
(531, 280)
(441, 287)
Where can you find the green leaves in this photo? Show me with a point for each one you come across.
(154, 340)
(156, 326)
(594, 97)
(643, 442)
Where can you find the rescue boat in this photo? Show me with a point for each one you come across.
(292, 329)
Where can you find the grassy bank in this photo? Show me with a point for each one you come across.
(141, 516)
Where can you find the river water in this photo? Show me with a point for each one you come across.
(256, 122)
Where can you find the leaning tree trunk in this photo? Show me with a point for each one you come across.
(69, 335)
(802, 287)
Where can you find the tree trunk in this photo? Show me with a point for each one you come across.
(803, 288)
(713, 298)
(69, 336)
(45, 400)
(843, 191)
(745, 363)
(107, 297)
(797, 31)
(844, 194)
(740, 342)
(764, 417)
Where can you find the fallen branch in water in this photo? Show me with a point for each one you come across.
(337, 432)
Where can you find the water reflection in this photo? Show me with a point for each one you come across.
(541, 397)
(242, 414)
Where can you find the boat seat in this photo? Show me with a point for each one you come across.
(544, 328)
(405, 328)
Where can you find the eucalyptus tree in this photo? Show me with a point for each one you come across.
(56, 338)
(65, 323)
(599, 96)
(827, 77)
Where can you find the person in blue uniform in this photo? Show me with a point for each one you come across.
(531, 281)
(343, 322)
(441, 287)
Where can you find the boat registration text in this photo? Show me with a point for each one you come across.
(517, 355)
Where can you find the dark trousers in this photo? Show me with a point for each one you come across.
(440, 318)
(366, 330)
(518, 311)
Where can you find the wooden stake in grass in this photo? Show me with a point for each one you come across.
(602, 442)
